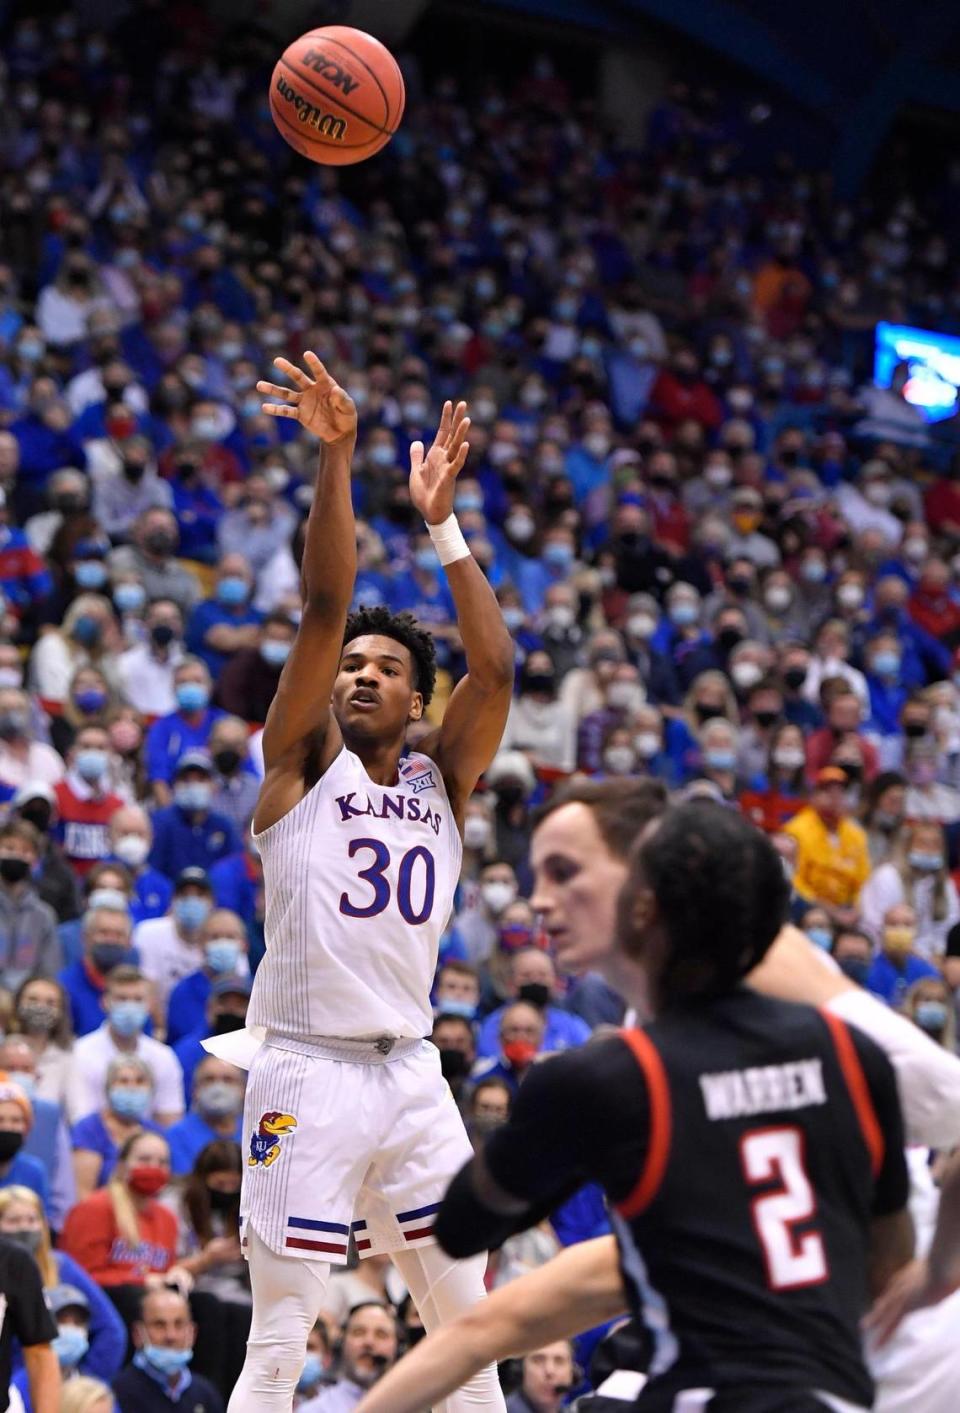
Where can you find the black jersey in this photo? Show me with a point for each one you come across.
(744, 1146)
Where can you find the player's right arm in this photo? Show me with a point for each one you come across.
(577, 1290)
(300, 722)
(929, 1281)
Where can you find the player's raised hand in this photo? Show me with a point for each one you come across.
(317, 402)
(433, 473)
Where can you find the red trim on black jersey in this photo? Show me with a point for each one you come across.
(858, 1089)
(648, 1184)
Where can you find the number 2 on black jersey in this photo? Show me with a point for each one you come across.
(776, 1155)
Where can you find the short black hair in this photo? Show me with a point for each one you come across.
(721, 894)
(402, 628)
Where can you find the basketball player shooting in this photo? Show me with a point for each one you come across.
(349, 1123)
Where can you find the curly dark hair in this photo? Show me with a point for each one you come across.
(721, 894)
(402, 628)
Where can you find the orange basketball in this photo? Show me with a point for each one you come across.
(337, 95)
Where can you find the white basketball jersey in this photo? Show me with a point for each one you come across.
(359, 881)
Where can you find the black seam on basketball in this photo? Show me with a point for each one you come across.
(339, 42)
(336, 98)
(309, 149)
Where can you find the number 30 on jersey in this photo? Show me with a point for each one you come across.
(411, 879)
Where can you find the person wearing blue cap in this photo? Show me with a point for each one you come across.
(188, 832)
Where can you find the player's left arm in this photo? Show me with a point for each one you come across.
(577, 1290)
(476, 714)
(891, 1233)
(581, 1116)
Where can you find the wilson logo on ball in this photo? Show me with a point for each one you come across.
(330, 70)
(308, 113)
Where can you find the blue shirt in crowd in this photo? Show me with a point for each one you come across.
(182, 840)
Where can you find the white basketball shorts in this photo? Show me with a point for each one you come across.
(341, 1137)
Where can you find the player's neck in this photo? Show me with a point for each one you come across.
(379, 759)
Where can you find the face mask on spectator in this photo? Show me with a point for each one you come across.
(558, 555)
(789, 757)
(381, 455)
(86, 631)
(821, 937)
(11, 677)
(37, 1018)
(931, 1016)
(165, 1361)
(222, 954)
(514, 935)
(856, 969)
(498, 894)
(560, 616)
(427, 560)
(160, 543)
(311, 1373)
(850, 596)
(455, 1007)
(536, 992)
(193, 795)
(777, 598)
(128, 1017)
(27, 1240)
(477, 832)
(191, 912)
(131, 849)
(746, 674)
(163, 635)
(514, 617)
(111, 898)
(717, 475)
(814, 571)
(454, 1064)
(233, 589)
(924, 862)
(10, 1144)
(519, 1053)
(90, 700)
(720, 758)
(70, 1345)
(107, 955)
(647, 744)
(683, 612)
(90, 573)
(618, 760)
(128, 1102)
(886, 663)
(642, 625)
(275, 652)
(898, 942)
(624, 695)
(192, 696)
(92, 764)
(218, 1097)
(520, 527)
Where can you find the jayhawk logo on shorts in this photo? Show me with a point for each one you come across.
(265, 1143)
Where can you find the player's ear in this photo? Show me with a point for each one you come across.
(416, 707)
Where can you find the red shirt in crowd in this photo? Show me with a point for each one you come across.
(821, 745)
(91, 1236)
(935, 612)
(84, 823)
(673, 401)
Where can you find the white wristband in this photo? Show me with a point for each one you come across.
(448, 540)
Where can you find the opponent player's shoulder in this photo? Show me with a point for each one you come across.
(595, 1073)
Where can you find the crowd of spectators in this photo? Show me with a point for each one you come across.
(726, 558)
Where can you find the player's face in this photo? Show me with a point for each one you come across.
(373, 695)
(576, 884)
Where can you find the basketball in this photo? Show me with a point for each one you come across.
(337, 95)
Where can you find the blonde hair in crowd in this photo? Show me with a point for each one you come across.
(124, 1212)
(44, 1254)
(82, 1394)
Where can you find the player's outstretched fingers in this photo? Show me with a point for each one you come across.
(443, 431)
(295, 374)
(274, 390)
(320, 374)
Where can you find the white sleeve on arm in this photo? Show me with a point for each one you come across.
(928, 1076)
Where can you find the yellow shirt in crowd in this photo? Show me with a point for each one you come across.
(832, 866)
